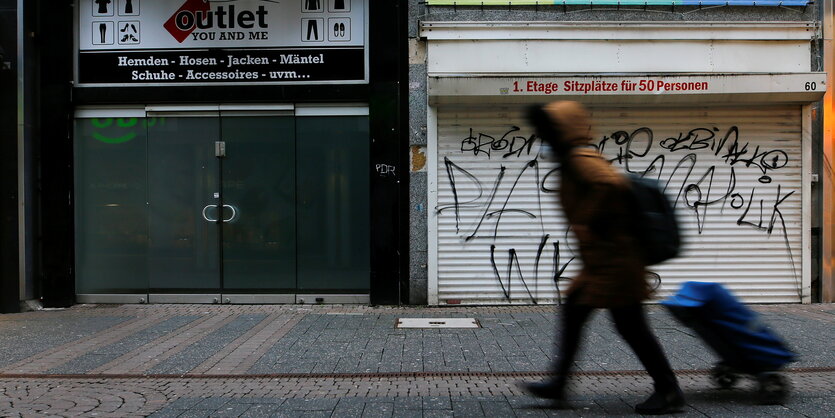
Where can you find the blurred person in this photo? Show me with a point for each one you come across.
(595, 197)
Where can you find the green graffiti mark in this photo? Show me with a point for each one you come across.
(126, 124)
(99, 123)
(118, 140)
(122, 123)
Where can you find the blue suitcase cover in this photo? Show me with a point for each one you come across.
(729, 327)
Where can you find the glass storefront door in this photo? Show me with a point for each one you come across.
(111, 211)
(259, 200)
(230, 180)
(183, 174)
(223, 205)
(333, 201)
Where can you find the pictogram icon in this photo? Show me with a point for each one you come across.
(129, 32)
(103, 33)
(313, 30)
(339, 29)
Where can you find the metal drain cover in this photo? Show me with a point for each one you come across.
(437, 323)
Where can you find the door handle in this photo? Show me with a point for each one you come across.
(230, 219)
(206, 216)
(234, 213)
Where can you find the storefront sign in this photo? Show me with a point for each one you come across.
(806, 83)
(482, 3)
(608, 86)
(198, 42)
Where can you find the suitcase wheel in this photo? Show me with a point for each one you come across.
(774, 388)
(723, 376)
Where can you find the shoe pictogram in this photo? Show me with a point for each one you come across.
(129, 33)
(340, 29)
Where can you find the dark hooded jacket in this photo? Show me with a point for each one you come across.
(593, 195)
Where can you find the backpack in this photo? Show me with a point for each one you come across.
(655, 226)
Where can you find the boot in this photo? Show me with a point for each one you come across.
(662, 403)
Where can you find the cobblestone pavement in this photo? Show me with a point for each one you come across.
(207, 360)
(447, 396)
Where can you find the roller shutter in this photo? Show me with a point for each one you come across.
(734, 174)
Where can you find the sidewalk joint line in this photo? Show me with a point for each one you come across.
(391, 375)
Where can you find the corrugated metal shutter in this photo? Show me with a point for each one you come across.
(502, 238)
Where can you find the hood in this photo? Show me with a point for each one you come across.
(571, 121)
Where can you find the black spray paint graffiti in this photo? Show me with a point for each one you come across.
(698, 139)
(453, 171)
(508, 144)
(513, 259)
(701, 193)
(693, 195)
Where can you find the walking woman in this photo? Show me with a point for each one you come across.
(594, 198)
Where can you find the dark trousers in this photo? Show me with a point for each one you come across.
(631, 324)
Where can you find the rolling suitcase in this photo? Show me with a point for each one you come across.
(743, 343)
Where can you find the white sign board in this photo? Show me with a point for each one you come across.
(141, 42)
(812, 84)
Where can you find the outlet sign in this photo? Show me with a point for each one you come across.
(229, 42)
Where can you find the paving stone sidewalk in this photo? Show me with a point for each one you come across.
(271, 339)
(268, 360)
(387, 397)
